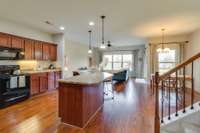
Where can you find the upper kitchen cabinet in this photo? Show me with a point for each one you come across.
(29, 49)
(33, 49)
(46, 51)
(53, 52)
(38, 50)
(17, 42)
(5, 40)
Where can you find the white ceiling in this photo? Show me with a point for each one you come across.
(128, 22)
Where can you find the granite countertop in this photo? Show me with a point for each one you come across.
(40, 71)
(87, 78)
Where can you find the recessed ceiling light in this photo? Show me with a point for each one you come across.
(62, 28)
(91, 23)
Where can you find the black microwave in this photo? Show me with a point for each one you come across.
(11, 53)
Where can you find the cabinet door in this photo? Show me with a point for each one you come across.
(46, 51)
(57, 77)
(5, 40)
(43, 82)
(29, 49)
(51, 80)
(38, 50)
(17, 42)
(35, 84)
(53, 52)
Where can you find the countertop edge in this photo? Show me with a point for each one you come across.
(42, 71)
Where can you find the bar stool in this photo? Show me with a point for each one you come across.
(108, 90)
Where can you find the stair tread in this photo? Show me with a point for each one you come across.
(166, 131)
(190, 127)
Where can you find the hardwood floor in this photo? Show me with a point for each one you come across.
(132, 111)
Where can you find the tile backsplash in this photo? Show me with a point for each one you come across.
(28, 64)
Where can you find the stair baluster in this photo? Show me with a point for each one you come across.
(192, 85)
(184, 89)
(162, 103)
(169, 98)
(176, 85)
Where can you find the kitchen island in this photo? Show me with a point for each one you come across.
(80, 97)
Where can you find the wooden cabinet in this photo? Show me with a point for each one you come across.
(38, 83)
(5, 40)
(29, 49)
(43, 82)
(51, 80)
(34, 50)
(57, 77)
(46, 51)
(53, 51)
(38, 50)
(35, 84)
(17, 42)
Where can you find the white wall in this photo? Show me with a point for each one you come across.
(24, 31)
(194, 44)
(190, 50)
(59, 39)
(77, 56)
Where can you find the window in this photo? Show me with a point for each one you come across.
(166, 61)
(118, 61)
(108, 65)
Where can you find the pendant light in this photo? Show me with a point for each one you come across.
(103, 46)
(90, 40)
(163, 49)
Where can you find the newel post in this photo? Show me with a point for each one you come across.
(157, 118)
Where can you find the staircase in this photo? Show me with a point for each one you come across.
(177, 110)
(186, 123)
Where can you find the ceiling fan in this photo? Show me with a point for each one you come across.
(109, 44)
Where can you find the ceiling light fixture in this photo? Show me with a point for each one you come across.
(91, 23)
(103, 39)
(163, 49)
(90, 40)
(62, 28)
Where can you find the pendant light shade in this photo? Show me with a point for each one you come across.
(163, 49)
(90, 40)
(103, 46)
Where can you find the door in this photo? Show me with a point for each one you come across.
(5, 40)
(46, 51)
(43, 82)
(35, 84)
(38, 50)
(51, 80)
(17, 42)
(29, 49)
(53, 51)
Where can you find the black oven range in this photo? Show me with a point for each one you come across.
(14, 86)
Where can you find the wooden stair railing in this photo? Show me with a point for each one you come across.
(165, 83)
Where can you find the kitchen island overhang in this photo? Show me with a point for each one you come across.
(81, 97)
